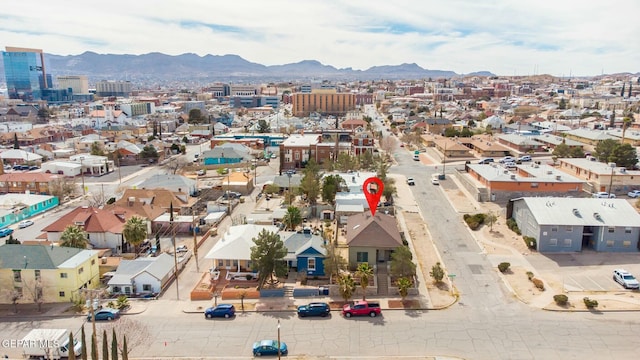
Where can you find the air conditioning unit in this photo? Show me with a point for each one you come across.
(513, 176)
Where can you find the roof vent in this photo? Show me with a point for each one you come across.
(513, 176)
(576, 212)
(597, 216)
(558, 177)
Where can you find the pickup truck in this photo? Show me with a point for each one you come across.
(361, 308)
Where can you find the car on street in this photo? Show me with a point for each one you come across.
(603, 195)
(485, 161)
(5, 232)
(524, 158)
(634, 194)
(625, 279)
(507, 159)
(269, 347)
(410, 181)
(105, 314)
(435, 180)
(361, 308)
(222, 310)
(182, 248)
(314, 309)
(200, 172)
(25, 223)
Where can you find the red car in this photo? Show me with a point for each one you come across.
(361, 308)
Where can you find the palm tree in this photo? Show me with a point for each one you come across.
(346, 286)
(364, 272)
(135, 231)
(403, 285)
(292, 218)
(74, 236)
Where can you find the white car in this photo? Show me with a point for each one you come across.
(634, 194)
(181, 248)
(25, 223)
(603, 195)
(410, 181)
(508, 159)
(625, 279)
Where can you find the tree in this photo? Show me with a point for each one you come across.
(562, 105)
(72, 351)
(96, 149)
(626, 121)
(114, 345)
(62, 188)
(105, 345)
(576, 152)
(292, 218)
(491, 219)
(267, 256)
(126, 328)
(333, 262)
(263, 126)
(16, 144)
(403, 284)
(332, 184)
(98, 199)
(94, 349)
(174, 165)
(345, 162)
(604, 149)
(365, 273)
(561, 150)
(149, 152)
(83, 344)
(195, 116)
(346, 286)
(35, 290)
(624, 155)
(437, 273)
(74, 236)
(12, 240)
(135, 231)
(402, 264)
(43, 115)
(13, 295)
(310, 183)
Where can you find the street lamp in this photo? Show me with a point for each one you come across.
(279, 339)
(289, 188)
(84, 191)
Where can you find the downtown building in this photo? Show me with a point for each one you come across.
(25, 73)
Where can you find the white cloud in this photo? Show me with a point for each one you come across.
(502, 36)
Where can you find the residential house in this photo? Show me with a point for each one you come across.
(233, 250)
(20, 157)
(83, 144)
(305, 252)
(551, 141)
(144, 275)
(103, 228)
(219, 156)
(157, 198)
(601, 176)
(58, 273)
(172, 182)
(17, 207)
(363, 142)
(32, 182)
(569, 224)
(451, 148)
(353, 124)
(522, 144)
(371, 239)
(485, 147)
(591, 137)
(437, 125)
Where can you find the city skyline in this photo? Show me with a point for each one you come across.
(505, 38)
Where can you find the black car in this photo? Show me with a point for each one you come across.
(314, 309)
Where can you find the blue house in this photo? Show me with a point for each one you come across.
(305, 252)
(17, 207)
(218, 156)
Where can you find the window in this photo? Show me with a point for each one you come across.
(17, 275)
(36, 274)
(611, 229)
(116, 289)
(553, 242)
(127, 290)
(61, 294)
(146, 287)
(569, 229)
(362, 257)
(627, 230)
(554, 229)
(610, 243)
(93, 261)
(81, 270)
(63, 275)
(626, 243)
(220, 263)
(311, 264)
(566, 243)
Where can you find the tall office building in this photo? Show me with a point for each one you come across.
(25, 73)
(113, 88)
(79, 84)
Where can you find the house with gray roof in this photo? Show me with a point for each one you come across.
(574, 224)
(144, 275)
(173, 182)
(305, 251)
(217, 156)
(591, 137)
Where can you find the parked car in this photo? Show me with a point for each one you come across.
(5, 232)
(314, 309)
(361, 308)
(507, 159)
(105, 314)
(200, 172)
(25, 223)
(524, 158)
(435, 180)
(269, 347)
(625, 279)
(603, 195)
(410, 181)
(33, 168)
(634, 193)
(485, 161)
(182, 248)
(222, 310)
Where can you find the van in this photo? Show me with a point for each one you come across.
(416, 157)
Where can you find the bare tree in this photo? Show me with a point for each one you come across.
(63, 187)
(98, 199)
(387, 144)
(176, 165)
(35, 290)
(12, 295)
(136, 332)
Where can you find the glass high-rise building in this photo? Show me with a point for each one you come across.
(25, 73)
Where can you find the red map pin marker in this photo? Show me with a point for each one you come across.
(372, 189)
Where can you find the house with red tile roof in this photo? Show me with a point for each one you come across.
(103, 227)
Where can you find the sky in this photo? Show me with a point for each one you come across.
(506, 37)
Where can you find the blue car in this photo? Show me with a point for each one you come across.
(223, 310)
(105, 314)
(314, 309)
(6, 232)
(269, 347)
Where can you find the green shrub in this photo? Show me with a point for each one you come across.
(561, 299)
(529, 275)
(437, 273)
(513, 226)
(538, 283)
(474, 221)
(503, 266)
(531, 242)
(590, 304)
(122, 302)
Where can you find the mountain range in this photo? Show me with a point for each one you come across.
(191, 67)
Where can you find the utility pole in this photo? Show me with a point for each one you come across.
(175, 253)
(195, 241)
(84, 191)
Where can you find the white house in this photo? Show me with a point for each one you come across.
(145, 275)
(233, 251)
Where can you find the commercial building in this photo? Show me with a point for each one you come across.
(327, 102)
(79, 84)
(113, 88)
(25, 73)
